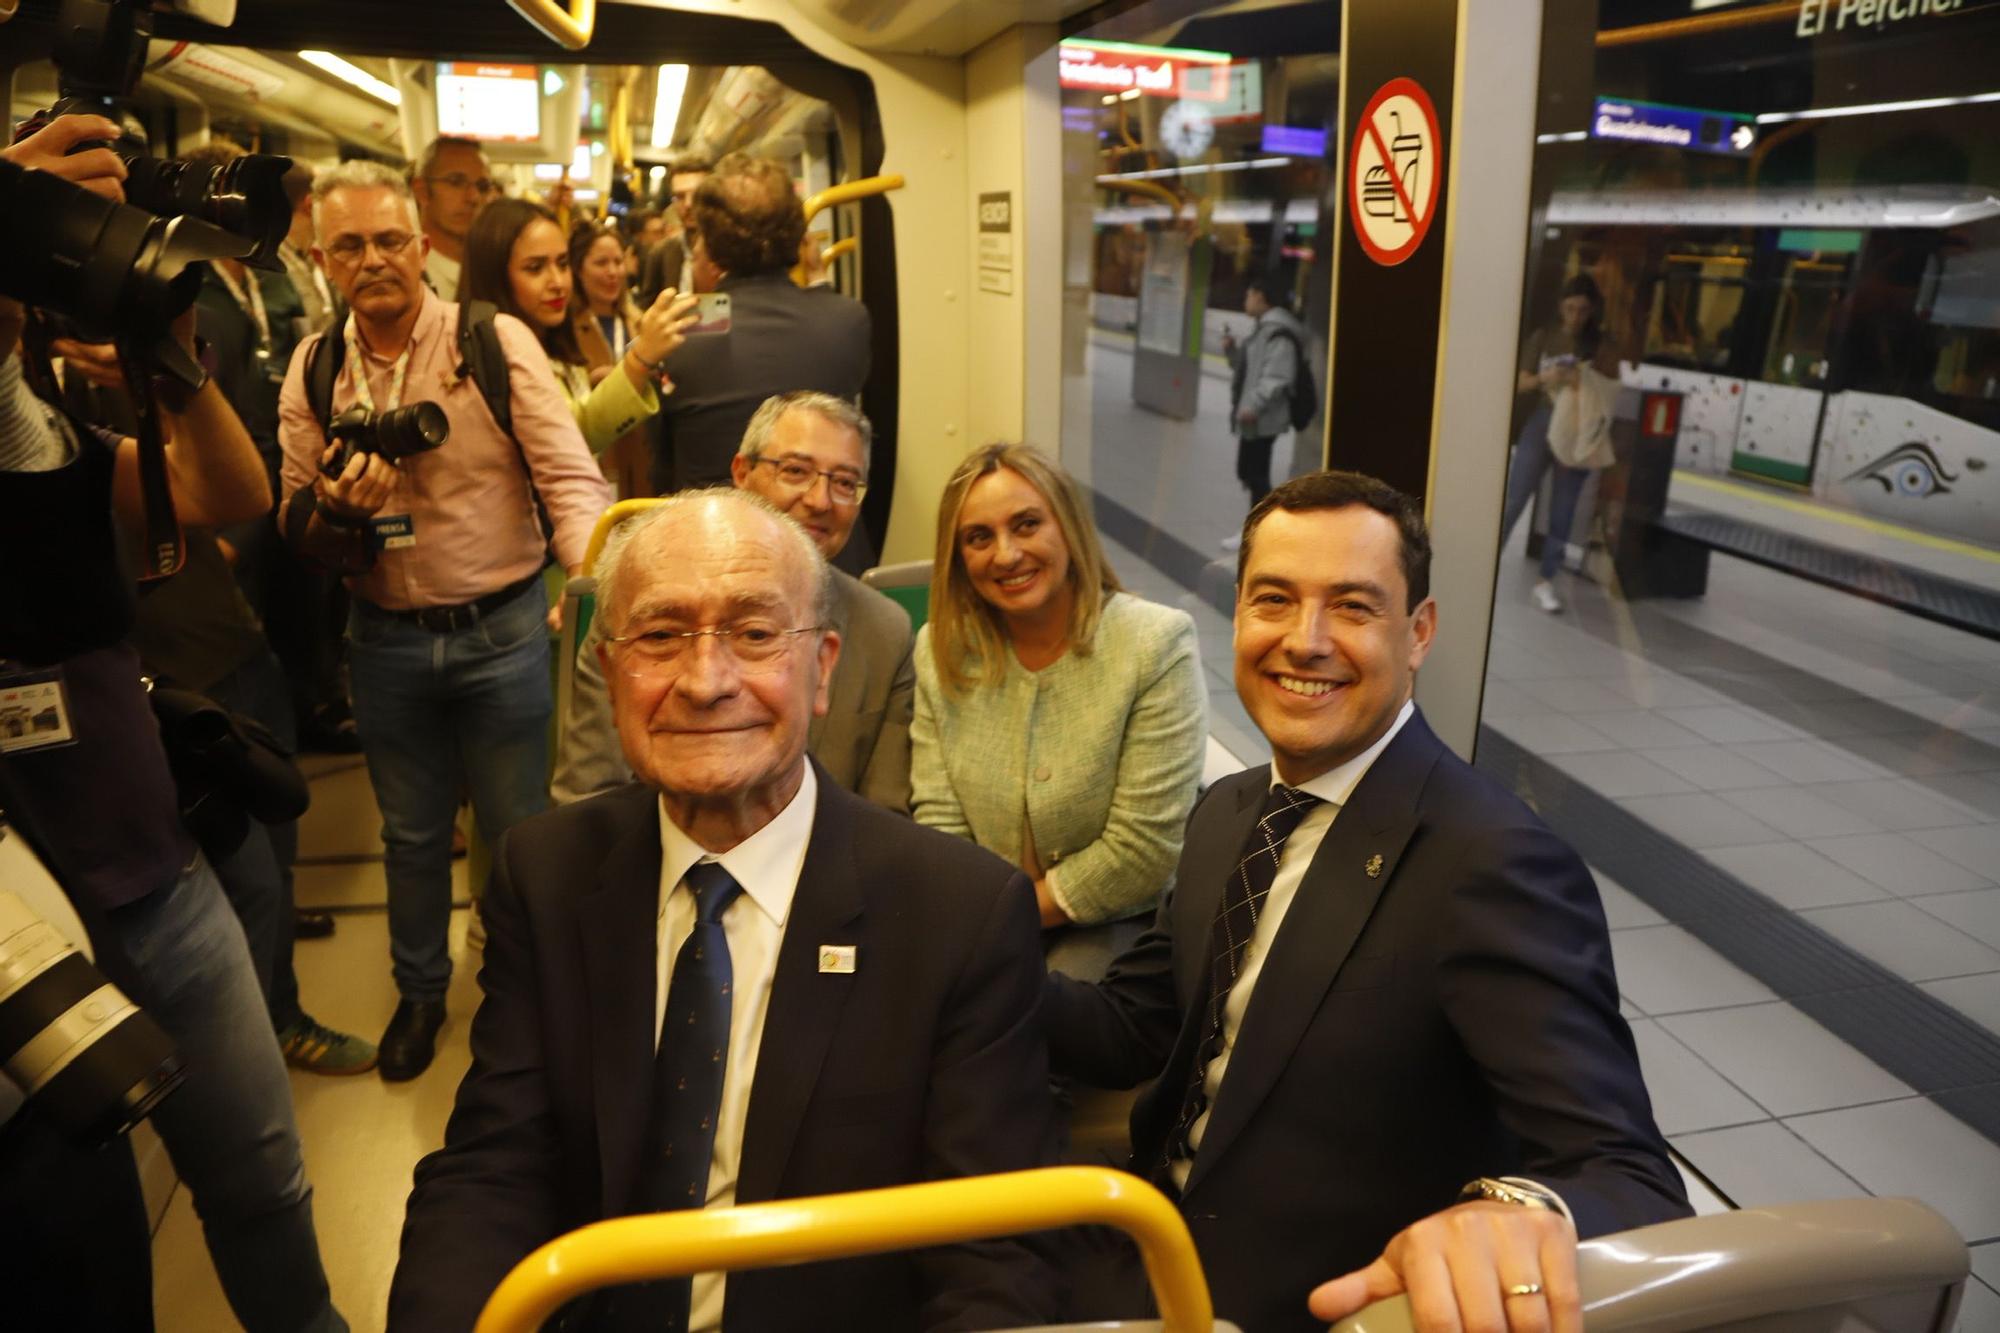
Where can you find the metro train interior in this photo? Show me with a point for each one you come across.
(1744, 658)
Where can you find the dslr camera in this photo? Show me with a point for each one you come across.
(415, 429)
(124, 272)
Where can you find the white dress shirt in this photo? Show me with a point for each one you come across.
(1333, 787)
(767, 865)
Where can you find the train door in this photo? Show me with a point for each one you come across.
(1698, 303)
(1785, 402)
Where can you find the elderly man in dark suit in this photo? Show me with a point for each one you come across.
(880, 980)
(1380, 985)
(747, 222)
(806, 453)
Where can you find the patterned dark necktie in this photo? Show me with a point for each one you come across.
(1229, 938)
(693, 1056)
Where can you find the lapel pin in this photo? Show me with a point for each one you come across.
(836, 958)
(1374, 866)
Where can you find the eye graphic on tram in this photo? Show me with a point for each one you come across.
(1909, 469)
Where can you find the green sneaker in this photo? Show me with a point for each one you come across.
(309, 1045)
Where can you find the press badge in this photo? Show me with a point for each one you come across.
(393, 532)
(34, 711)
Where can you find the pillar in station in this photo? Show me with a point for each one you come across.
(1437, 142)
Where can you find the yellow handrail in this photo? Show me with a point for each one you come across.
(1147, 188)
(846, 245)
(850, 191)
(571, 29)
(840, 1226)
(608, 520)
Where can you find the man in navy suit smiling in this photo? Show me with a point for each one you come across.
(1379, 1005)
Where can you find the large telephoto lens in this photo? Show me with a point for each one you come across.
(246, 196)
(113, 270)
(83, 1053)
(410, 430)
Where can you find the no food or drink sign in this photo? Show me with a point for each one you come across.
(1393, 171)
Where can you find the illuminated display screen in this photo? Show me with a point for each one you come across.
(492, 102)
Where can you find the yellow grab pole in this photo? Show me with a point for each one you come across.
(1148, 188)
(571, 29)
(608, 520)
(847, 245)
(849, 192)
(840, 1226)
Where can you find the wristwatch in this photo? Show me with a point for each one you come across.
(1521, 1193)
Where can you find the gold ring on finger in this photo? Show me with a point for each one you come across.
(1525, 1289)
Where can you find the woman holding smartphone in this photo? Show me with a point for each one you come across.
(1550, 362)
(518, 258)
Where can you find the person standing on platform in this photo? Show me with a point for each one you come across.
(444, 551)
(1554, 360)
(1262, 370)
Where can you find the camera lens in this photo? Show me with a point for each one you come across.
(410, 430)
(82, 1052)
(104, 265)
(246, 197)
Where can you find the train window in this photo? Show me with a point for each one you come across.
(1194, 175)
(1961, 297)
(1727, 648)
(1808, 297)
(1696, 309)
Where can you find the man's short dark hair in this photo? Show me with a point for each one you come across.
(1340, 490)
(1270, 289)
(748, 216)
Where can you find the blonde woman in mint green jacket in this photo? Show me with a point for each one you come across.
(1060, 722)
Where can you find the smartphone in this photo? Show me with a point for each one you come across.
(711, 313)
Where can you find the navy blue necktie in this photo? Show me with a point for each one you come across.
(1229, 939)
(693, 1056)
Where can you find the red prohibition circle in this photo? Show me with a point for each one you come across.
(1367, 132)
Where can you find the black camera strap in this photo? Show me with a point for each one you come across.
(165, 549)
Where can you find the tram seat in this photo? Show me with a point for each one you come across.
(1834, 1266)
(907, 584)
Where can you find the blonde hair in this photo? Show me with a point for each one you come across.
(968, 637)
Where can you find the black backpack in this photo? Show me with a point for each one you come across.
(480, 355)
(1304, 397)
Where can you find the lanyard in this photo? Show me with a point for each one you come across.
(252, 305)
(364, 397)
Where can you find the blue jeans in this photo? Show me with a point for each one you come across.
(258, 875)
(180, 955)
(1531, 459)
(441, 713)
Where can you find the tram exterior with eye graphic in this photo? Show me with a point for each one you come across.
(1843, 342)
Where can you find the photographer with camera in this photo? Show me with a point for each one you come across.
(94, 793)
(452, 440)
(196, 631)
